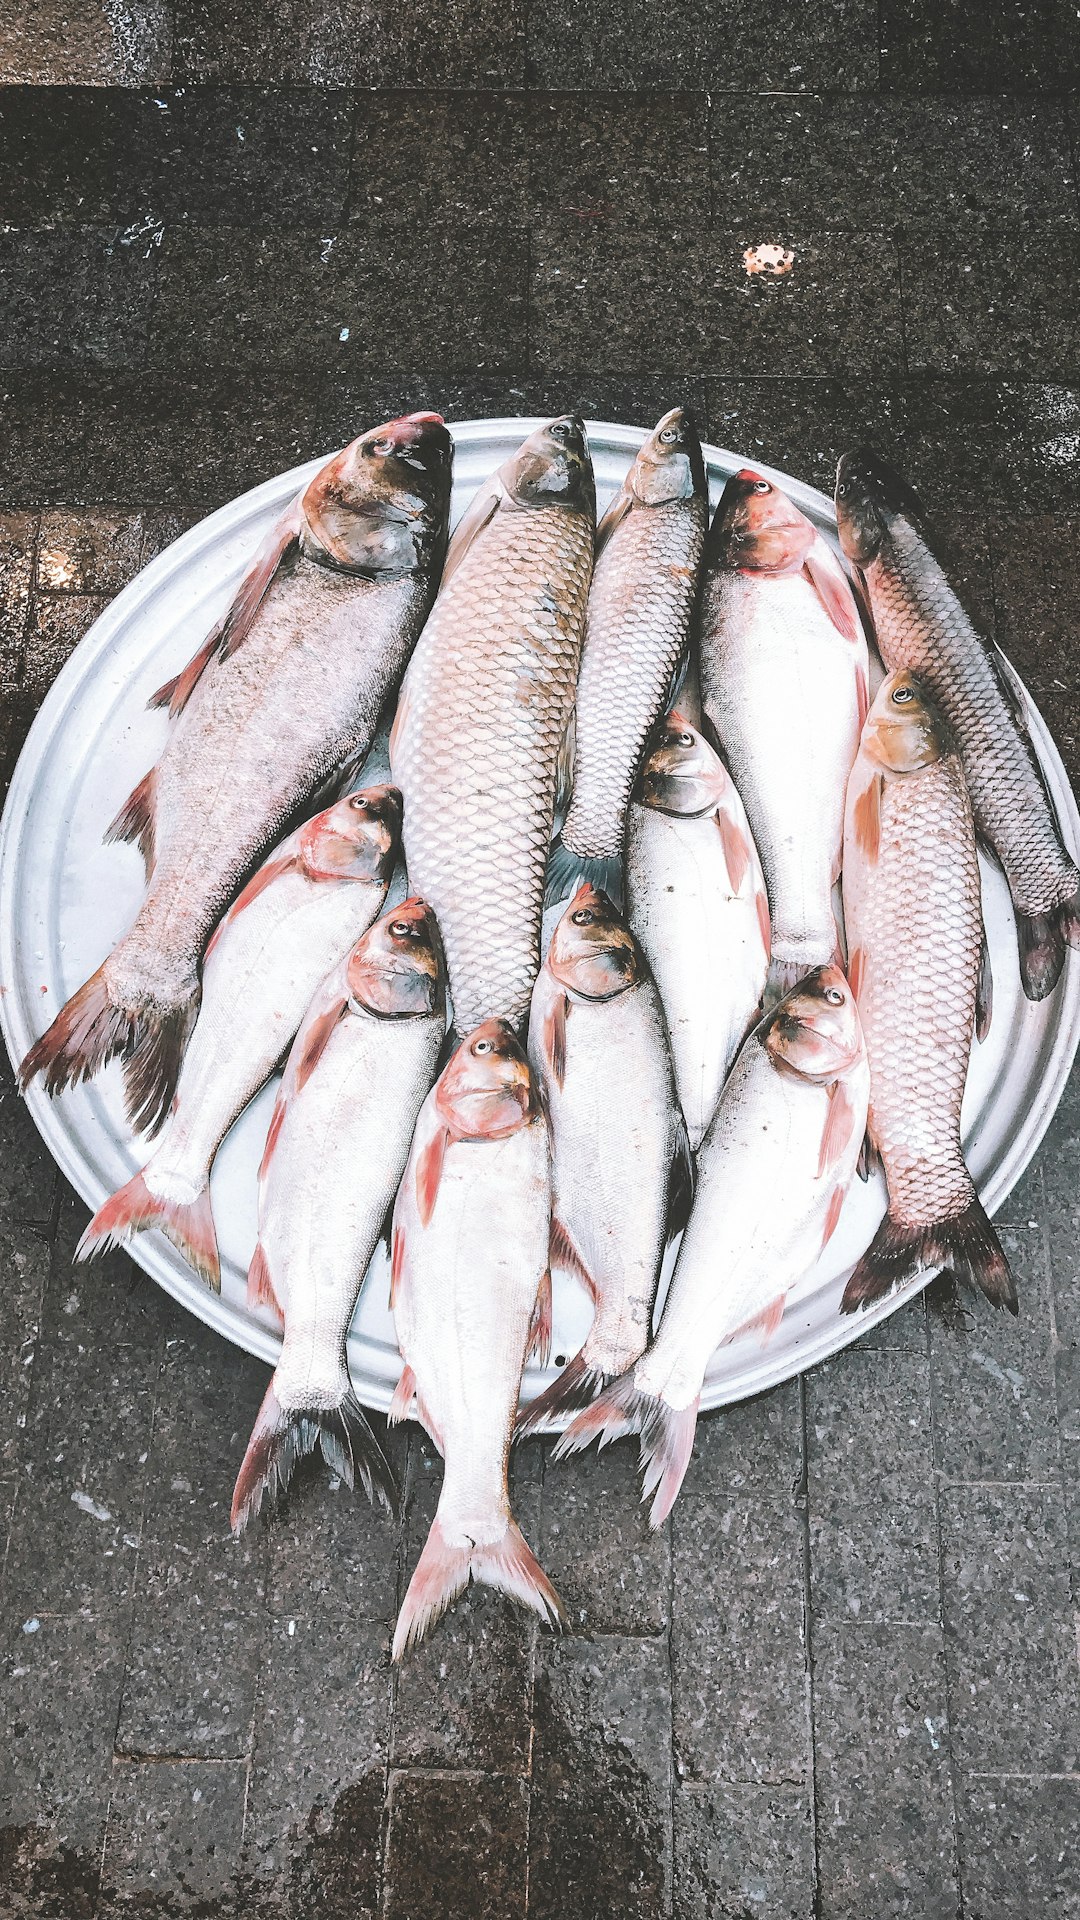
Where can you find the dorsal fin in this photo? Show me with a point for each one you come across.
(236, 623)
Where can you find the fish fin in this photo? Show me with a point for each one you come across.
(134, 1208)
(856, 970)
(152, 1067)
(176, 693)
(564, 764)
(539, 1347)
(666, 1438)
(862, 692)
(765, 1322)
(869, 1160)
(736, 847)
(575, 1387)
(261, 1291)
(553, 1036)
(562, 1253)
(830, 583)
(680, 1186)
(833, 1212)
(429, 1168)
(314, 1042)
(281, 1437)
(984, 993)
(401, 715)
(483, 507)
(838, 1128)
(277, 1121)
(567, 871)
(135, 820)
(1042, 939)
(781, 977)
(966, 1245)
(443, 1572)
(86, 1033)
(612, 518)
(397, 1265)
(764, 918)
(866, 817)
(264, 877)
(403, 1404)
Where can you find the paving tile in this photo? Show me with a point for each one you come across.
(197, 1632)
(1070, 1478)
(443, 43)
(456, 1847)
(81, 155)
(85, 43)
(901, 1332)
(380, 296)
(82, 552)
(1020, 1849)
(24, 1267)
(991, 301)
(885, 1821)
(175, 1829)
(39, 1878)
(610, 1570)
(28, 1180)
(70, 297)
(58, 623)
(743, 1850)
(253, 156)
(291, 43)
(799, 159)
(754, 1446)
(602, 158)
(161, 529)
(61, 1690)
(347, 402)
(927, 45)
(737, 45)
(323, 1540)
(687, 299)
(1038, 604)
(416, 155)
(739, 1672)
(1010, 1630)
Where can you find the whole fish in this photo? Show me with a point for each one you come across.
(771, 1178)
(470, 1283)
(287, 687)
(619, 1153)
(637, 629)
(339, 1136)
(922, 626)
(784, 688)
(696, 900)
(303, 909)
(483, 714)
(913, 909)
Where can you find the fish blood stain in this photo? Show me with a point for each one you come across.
(768, 259)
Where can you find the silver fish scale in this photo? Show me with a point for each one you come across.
(922, 626)
(916, 917)
(486, 704)
(636, 629)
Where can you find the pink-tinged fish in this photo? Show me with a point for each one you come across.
(784, 688)
(921, 626)
(637, 630)
(304, 908)
(771, 1178)
(471, 1290)
(620, 1160)
(696, 901)
(287, 688)
(913, 909)
(358, 1072)
(484, 712)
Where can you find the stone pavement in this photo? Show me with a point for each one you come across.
(844, 1683)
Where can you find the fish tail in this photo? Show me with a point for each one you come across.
(86, 1033)
(965, 1244)
(189, 1225)
(152, 1068)
(665, 1433)
(567, 871)
(576, 1387)
(444, 1571)
(283, 1435)
(1042, 939)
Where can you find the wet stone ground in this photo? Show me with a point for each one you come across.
(844, 1683)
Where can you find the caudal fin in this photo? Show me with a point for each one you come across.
(133, 1208)
(966, 1245)
(282, 1436)
(444, 1571)
(666, 1437)
(87, 1032)
(577, 1386)
(152, 1068)
(567, 871)
(1042, 939)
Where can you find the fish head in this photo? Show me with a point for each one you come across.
(814, 1032)
(553, 467)
(669, 465)
(905, 728)
(593, 952)
(355, 839)
(382, 505)
(757, 529)
(871, 503)
(397, 969)
(487, 1090)
(681, 774)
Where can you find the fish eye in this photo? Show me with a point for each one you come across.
(686, 739)
(842, 490)
(902, 695)
(761, 486)
(383, 445)
(560, 430)
(484, 1046)
(358, 803)
(583, 917)
(669, 435)
(401, 929)
(834, 996)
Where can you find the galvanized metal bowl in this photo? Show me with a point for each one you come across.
(66, 897)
